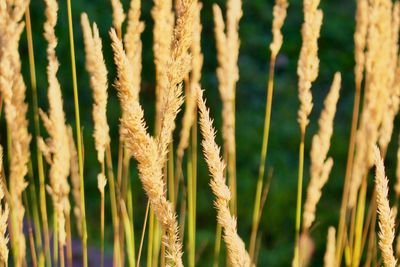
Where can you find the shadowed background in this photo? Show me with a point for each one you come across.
(277, 223)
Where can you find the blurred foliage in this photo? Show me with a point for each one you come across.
(277, 225)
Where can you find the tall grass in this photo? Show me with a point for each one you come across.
(167, 167)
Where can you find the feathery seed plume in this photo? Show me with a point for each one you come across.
(118, 15)
(385, 214)
(190, 96)
(145, 150)
(13, 90)
(75, 182)
(228, 72)
(133, 44)
(320, 166)
(377, 91)
(178, 66)
(97, 70)
(360, 37)
(57, 145)
(393, 82)
(279, 16)
(329, 258)
(308, 64)
(163, 31)
(237, 254)
(4, 212)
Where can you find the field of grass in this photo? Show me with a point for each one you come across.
(150, 82)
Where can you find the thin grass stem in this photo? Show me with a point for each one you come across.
(78, 134)
(296, 259)
(264, 148)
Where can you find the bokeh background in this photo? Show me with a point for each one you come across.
(277, 224)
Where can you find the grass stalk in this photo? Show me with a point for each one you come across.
(190, 195)
(232, 165)
(55, 241)
(129, 240)
(39, 156)
(131, 219)
(35, 213)
(264, 148)
(30, 232)
(349, 167)
(62, 257)
(69, 240)
(296, 259)
(150, 239)
(359, 224)
(102, 220)
(146, 216)
(78, 134)
(114, 208)
(217, 245)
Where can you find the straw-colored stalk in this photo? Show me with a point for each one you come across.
(188, 126)
(79, 139)
(320, 165)
(360, 36)
(279, 16)
(149, 152)
(133, 46)
(377, 97)
(43, 249)
(56, 147)
(228, 43)
(385, 213)
(329, 257)
(118, 16)
(163, 32)
(377, 91)
(307, 70)
(13, 93)
(190, 97)
(237, 254)
(4, 212)
(97, 70)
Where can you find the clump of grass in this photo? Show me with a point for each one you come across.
(307, 70)
(178, 62)
(13, 94)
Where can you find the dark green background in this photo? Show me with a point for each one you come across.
(277, 224)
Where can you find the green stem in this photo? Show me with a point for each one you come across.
(267, 121)
(78, 134)
(39, 156)
(217, 245)
(296, 259)
(146, 216)
(150, 239)
(190, 195)
(359, 224)
(349, 168)
(36, 220)
(114, 208)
